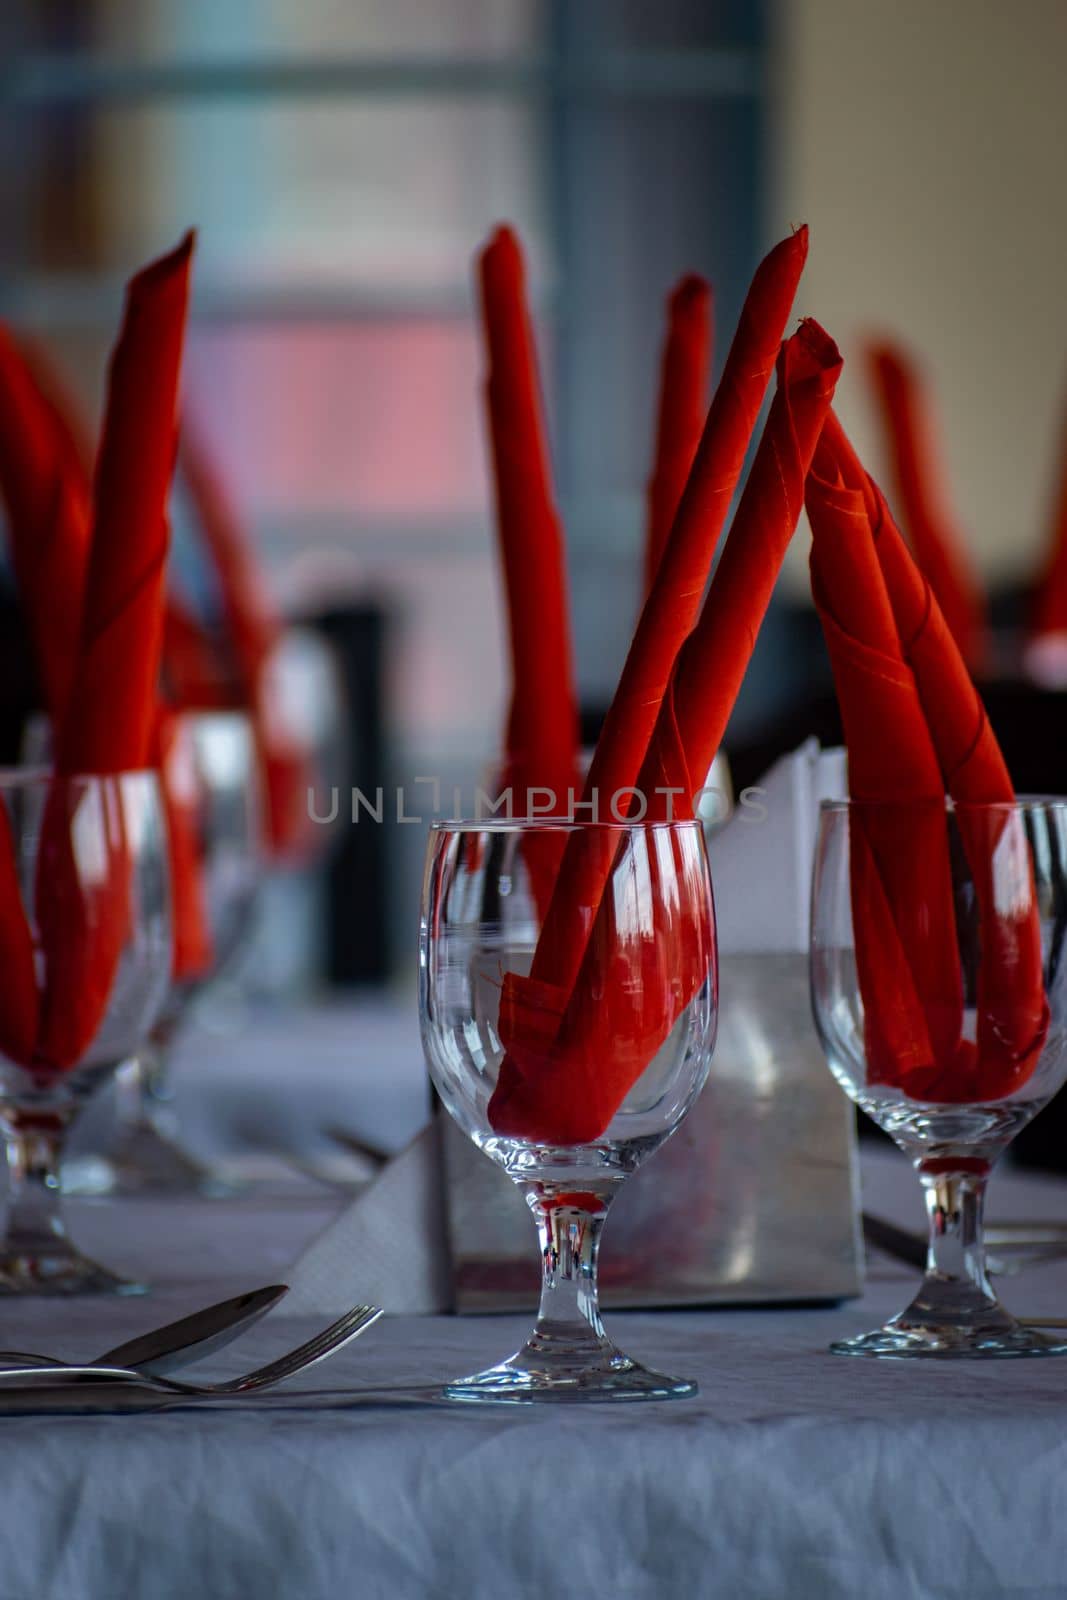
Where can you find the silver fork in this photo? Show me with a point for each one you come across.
(325, 1343)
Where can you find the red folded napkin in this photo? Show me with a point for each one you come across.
(45, 490)
(617, 1019)
(542, 728)
(109, 722)
(685, 368)
(253, 630)
(939, 546)
(715, 657)
(901, 870)
(901, 882)
(532, 1008)
(71, 426)
(195, 676)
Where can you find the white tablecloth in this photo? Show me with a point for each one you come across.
(793, 1472)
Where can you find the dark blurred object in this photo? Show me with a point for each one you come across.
(357, 920)
(19, 694)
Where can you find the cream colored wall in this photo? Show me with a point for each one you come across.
(925, 141)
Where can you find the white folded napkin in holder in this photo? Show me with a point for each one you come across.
(753, 1200)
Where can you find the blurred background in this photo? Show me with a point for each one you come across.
(343, 159)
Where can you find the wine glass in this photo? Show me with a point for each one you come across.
(86, 940)
(939, 989)
(568, 1088)
(147, 1154)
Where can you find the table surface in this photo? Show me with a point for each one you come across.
(793, 1471)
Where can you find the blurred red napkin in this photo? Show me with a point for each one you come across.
(713, 661)
(195, 675)
(253, 631)
(527, 1101)
(903, 910)
(109, 722)
(46, 493)
(685, 367)
(939, 545)
(542, 728)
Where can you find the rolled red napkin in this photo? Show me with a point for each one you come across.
(109, 724)
(253, 631)
(613, 1027)
(542, 727)
(939, 546)
(715, 657)
(685, 368)
(532, 1008)
(901, 882)
(195, 676)
(46, 494)
(71, 425)
(1012, 1010)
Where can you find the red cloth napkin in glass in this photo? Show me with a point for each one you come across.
(109, 723)
(527, 1100)
(939, 545)
(612, 1027)
(685, 367)
(715, 657)
(195, 675)
(903, 870)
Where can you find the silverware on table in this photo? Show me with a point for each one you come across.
(325, 1343)
(178, 1344)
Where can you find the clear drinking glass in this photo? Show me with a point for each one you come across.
(602, 1075)
(86, 943)
(148, 1154)
(938, 938)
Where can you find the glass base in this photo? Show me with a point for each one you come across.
(146, 1161)
(1002, 1336)
(60, 1271)
(526, 1380)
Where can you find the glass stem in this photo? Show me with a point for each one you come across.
(569, 1226)
(955, 1284)
(142, 1091)
(34, 1144)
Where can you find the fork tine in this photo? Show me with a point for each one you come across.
(335, 1337)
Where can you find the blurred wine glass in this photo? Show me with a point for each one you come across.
(86, 932)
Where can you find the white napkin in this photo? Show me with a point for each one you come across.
(761, 860)
(388, 1247)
